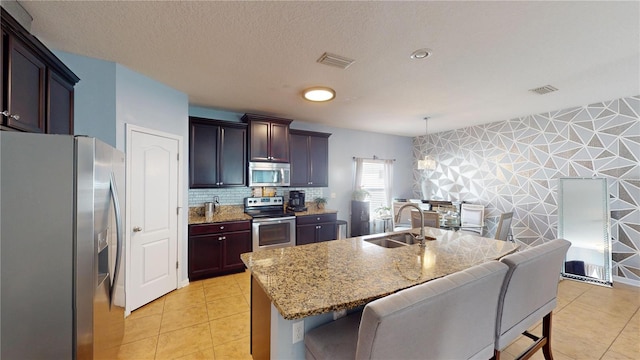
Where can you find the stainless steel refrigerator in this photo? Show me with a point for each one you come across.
(61, 247)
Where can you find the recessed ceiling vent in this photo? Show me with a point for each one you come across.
(335, 60)
(544, 90)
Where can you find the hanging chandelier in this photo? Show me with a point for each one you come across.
(427, 163)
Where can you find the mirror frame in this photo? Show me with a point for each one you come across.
(600, 214)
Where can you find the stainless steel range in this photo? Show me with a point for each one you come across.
(272, 226)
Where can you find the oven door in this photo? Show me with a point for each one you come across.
(271, 233)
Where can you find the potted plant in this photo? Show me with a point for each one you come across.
(360, 195)
(383, 211)
(320, 202)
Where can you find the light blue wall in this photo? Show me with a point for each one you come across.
(344, 144)
(109, 96)
(209, 113)
(145, 102)
(95, 96)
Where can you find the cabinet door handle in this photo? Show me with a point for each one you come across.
(12, 116)
(221, 227)
(221, 238)
(137, 229)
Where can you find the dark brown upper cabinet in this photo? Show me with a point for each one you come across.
(26, 85)
(309, 158)
(268, 138)
(59, 105)
(217, 153)
(37, 88)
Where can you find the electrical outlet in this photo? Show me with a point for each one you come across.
(298, 331)
(333, 195)
(339, 313)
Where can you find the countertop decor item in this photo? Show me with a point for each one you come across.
(320, 202)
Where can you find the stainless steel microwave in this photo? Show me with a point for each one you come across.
(269, 174)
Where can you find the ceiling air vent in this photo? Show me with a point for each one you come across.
(335, 60)
(544, 90)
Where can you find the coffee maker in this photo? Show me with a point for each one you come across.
(296, 201)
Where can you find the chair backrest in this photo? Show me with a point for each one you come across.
(405, 217)
(530, 288)
(448, 318)
(472, 214)
(435, 203)
(431, 219)
(504, 225)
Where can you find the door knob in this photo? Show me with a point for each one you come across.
(137, 229)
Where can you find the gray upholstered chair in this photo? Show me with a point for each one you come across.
(529, 294)
(448, 318)
(431, 219)
(504, 225)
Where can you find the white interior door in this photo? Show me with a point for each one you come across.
(153, 171)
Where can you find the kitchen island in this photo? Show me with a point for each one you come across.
(310, 282)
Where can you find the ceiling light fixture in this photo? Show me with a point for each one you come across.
(421, 54)
(319, 94)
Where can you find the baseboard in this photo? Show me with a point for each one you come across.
(183, 283)
(624, 280)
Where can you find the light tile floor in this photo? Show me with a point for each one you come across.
(209, 319)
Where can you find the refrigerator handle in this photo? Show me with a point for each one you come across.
(118, 216)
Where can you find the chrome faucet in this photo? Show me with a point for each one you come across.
(421, 236)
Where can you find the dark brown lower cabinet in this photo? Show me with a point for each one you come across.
(214, 249)
(315, 228)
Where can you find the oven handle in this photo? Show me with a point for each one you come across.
(274, 220)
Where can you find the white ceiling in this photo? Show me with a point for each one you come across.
(258, 56)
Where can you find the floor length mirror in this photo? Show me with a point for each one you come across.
(583, 219)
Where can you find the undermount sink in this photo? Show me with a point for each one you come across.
(393, 241)
(396, 240)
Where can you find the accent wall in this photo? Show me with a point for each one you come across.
(514, 165)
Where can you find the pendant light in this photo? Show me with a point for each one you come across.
(427, 163)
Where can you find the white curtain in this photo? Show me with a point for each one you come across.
(357, 185)
(388, 182)
(386, 175)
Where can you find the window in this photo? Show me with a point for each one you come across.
(375, 176)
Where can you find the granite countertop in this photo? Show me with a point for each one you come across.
(317, 278)
(223, 213)
(312, 209)
(236, 212)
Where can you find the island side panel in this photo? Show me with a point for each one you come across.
(260, 322)
(282, 346)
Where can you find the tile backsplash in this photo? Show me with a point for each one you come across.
(236, 195)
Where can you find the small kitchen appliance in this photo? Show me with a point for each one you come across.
(272, 226)
(296, 201)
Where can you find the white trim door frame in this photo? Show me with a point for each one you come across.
(130, 234)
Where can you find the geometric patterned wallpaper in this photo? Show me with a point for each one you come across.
(514, 165)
